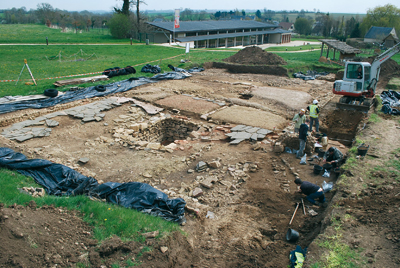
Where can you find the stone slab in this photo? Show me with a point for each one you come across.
(188, 104)
(250, 117)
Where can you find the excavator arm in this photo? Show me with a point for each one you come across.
(376, 64)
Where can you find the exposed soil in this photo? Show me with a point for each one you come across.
(255, 55)
(251, 214)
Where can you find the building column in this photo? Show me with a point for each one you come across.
(262, 39)
(226, 42)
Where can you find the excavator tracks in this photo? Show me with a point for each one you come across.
(347, 103)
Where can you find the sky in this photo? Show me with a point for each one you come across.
(338, 6)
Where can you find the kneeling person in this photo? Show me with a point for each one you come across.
(311, 190)
(333, 156)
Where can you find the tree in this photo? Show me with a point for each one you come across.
(120, 26)
(356, 32)
(243, 13)
(45, 12)
(269, 14)
(302, 26)
(382, 16)
(125, 8)
(186, 14)
(258, 14)
(137, 4)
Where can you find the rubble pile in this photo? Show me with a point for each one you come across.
(135, 131)
(213, 183)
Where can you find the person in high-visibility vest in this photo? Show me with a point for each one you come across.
(314, 114)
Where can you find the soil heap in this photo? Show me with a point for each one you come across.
(255, 55)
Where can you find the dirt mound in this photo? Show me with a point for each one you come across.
(42, 237)
(255, 55)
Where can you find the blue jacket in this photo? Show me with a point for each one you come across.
(303, 132)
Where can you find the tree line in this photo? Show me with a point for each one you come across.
(354, 27)
(46, 14)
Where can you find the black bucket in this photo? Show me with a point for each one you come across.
(317, 169)
(292, 235)
(321, 153)
(362, 150)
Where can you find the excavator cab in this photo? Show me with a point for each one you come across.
(353, 87)
(357, 77)
(359, 82)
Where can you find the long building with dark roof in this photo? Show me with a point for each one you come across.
(219, 33)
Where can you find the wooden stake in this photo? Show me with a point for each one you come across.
(294, 213)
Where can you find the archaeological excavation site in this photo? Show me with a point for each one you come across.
(222, 142)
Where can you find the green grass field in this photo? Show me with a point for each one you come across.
(36, 34)
(44, 62)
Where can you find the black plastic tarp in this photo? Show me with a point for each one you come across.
(155, 69)
(390, 102)
(191, 70)
(116, 71)
(88, 92)
(310, 75)
(61, 180)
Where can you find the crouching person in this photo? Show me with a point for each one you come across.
(312, 191)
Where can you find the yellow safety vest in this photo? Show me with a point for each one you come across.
(313, 111)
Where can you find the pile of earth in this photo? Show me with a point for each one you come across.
(255, 55)
(389, 69)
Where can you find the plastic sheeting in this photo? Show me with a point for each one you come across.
(390, 102)
(154, 69)
(310, 75)
(88, 92)
(192, 70)
(61, 180)
(116, 71)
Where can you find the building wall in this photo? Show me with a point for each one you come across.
(160, 38)
(274, 38)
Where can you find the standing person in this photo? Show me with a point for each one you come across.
(302, 138)
(299, 119)
(311, 190)
(314, 114)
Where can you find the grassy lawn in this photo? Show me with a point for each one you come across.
(307, 61)
(44, 62)
(36, 34)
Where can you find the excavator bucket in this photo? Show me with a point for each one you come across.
(363, 106)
